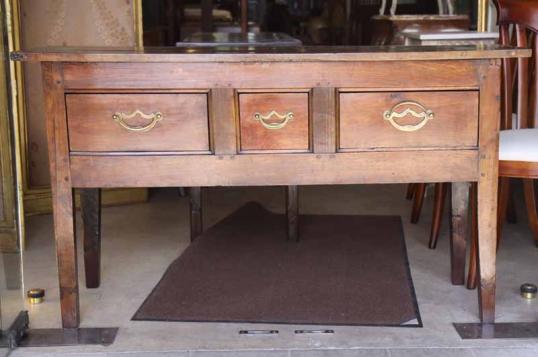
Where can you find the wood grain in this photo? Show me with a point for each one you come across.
(271, 169)
(209, 98)
(223, 121)
(292, 212)
(294, 136)
(62, 193)
(418, 201)
(90, 211)
(440, 194)
(472, 276)
(520, 169)
(487, 187)
(278, 75)
(522, 80)
(323, 120)
(184, 127)
(516, 11)
(264, 54)
(458, 229)
(362, 125)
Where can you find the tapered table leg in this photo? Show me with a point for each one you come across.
(195, 195)
(458, 230)
(292, 212)
(487, 246)
(488, 180)
(62, 193)
(90, 207)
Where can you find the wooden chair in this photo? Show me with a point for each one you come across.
(518, 142)
(415, 192)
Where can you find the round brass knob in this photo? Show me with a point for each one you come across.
(35, 296)
(528, 291)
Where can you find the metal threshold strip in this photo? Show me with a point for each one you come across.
(19, 335)
(469, 331)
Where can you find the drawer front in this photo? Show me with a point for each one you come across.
(274, 121)
(138, 122)
(408, 120)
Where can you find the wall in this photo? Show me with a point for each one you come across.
(64, 23)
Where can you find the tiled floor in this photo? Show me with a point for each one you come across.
(139, 242)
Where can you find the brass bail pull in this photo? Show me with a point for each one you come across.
(283, 119)
(412, 108)
(121, 118)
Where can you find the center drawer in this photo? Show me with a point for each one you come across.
(371, 120)
(138, 122)
(274, 121)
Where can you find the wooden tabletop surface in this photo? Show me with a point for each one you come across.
(269, 54)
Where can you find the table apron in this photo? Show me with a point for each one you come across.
(274, 169)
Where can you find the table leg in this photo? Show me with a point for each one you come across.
(195, 195)
(62, 193)
(488, 180)
(458, 241)
(90, 207)
(292, 212)
(487, 246)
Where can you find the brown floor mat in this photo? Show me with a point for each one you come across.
(345, 270)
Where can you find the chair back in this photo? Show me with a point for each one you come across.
(518, 25)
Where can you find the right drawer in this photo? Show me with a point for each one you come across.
(384, 120)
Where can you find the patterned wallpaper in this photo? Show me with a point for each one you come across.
(65, 23)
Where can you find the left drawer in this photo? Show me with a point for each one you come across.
(138, 122)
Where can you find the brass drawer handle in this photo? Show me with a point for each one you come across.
(121, 117)
(284, 119)
(421, 113)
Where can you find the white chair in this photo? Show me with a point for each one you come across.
(518, 148)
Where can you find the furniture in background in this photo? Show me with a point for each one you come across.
(518, 147)
(417, 191)
(201, 117)
(168, 21)
(390, 29)
(261, 39)
(449, 37)
(446, 7)
(518, 144)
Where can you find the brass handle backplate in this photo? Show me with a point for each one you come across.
(264, 119)
(121, 117)
(411, 108)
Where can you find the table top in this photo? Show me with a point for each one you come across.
(271, 39)
(270, 54)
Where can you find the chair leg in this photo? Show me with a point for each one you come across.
(441, 190)
(195, 195)
(90, 207)
(418, 201)
(410, 191)
(472, 275)
(530, 202)
(292, 212)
